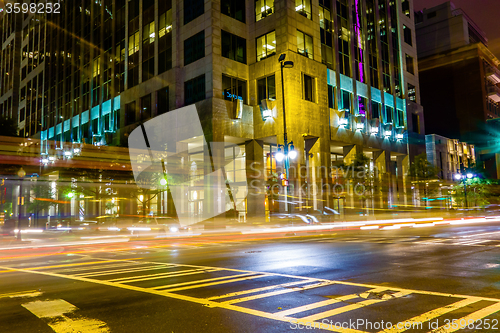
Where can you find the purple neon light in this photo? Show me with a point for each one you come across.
(357, 30)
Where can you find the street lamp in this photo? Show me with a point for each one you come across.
(21, 173)
(288, 149)
(463, 178)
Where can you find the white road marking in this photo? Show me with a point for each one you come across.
(53, 313)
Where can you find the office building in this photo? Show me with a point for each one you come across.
(94, 72)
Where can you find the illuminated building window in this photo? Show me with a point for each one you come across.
(266, 45)
(304, 44)
(165, 23)
(194, 48)
(263, 8)
(133, 43)
(303, 7)
(234, 89)
(234, 9)
(405, 6)
(234, 47)
(412, 94)
(266, 88)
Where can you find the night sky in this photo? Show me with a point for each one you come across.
(483, 12)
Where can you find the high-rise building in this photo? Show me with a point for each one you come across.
(97, 68)
(459, 79)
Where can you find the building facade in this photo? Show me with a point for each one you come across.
(459, 79)
(450, 156)
(94, 72)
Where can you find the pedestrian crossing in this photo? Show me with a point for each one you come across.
(295, 300)
(411, 240)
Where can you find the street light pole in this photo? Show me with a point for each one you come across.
(21, 173)
(286, 150)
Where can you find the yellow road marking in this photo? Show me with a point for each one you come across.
(431, 315)
(473, 317)
(121, 271)
(101, 261)
(168, 275)
(215, 283)
(89, 268)
(17, 293)
(322, 303)
(347, 308)
(278, 292)
(205, 280)
(256, 290)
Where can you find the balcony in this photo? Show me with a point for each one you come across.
(493, 93)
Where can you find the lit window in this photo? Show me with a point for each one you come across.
(263, 8)
(133, 43)
(266, 46)
(165, 25)
(303, 7)
(304, 44)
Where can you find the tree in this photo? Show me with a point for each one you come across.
(41, 198)
(8, 126)
(478, 192)
(422, 169)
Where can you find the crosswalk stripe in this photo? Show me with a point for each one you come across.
(200, 281)
(53, 312)
(170, 290)
(278, 292)
(256, 290)
(347, 308)
(473, 317)
(322, 303)
(167, 275)
(18, 293)
(400, 327)
(122, 271)
(74, 264)
(88, 268)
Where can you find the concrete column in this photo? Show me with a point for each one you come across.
(256, 179)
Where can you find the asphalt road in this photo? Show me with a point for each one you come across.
(360, 280)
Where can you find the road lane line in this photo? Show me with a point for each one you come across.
(168, 275)
(53, 313)
(350, 307)
(278, 292)
(323, 303)
(431, 315)
(157, 274)
(123, 271)
(473, 317)
(169, 290)
(256, 290)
